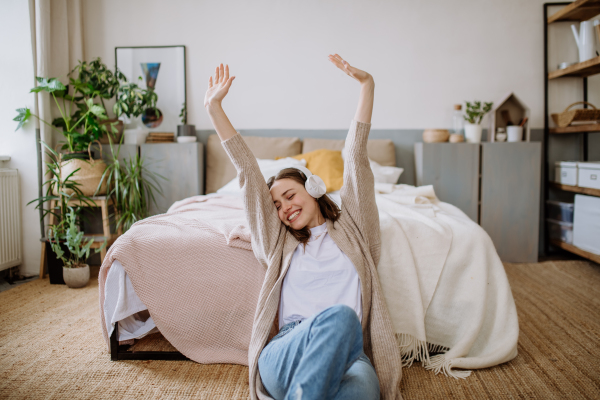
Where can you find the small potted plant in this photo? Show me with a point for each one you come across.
(60, 189)
(133, 102)
(184, 129)
(474, 114)
(76, 273)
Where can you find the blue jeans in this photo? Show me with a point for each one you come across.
(319, 358)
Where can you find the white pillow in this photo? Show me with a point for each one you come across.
(267, 167)
(382, 174)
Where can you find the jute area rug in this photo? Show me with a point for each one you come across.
(51, 348)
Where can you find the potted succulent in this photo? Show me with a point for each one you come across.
(75, 271)
(133, 102)
(184, 129)
(132, 187)
(474, 114)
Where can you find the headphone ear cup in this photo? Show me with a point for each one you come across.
(315, 186)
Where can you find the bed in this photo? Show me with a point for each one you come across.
(444, 284)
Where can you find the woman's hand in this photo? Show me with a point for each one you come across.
(358, 74)
(218, 90)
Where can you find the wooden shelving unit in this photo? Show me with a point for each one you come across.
(582, 69)
(576, 129)
(576, 250)
(576, 189)
(580, 10)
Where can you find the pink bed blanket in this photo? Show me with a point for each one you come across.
(194, 269)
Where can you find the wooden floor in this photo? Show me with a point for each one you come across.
(51, 347)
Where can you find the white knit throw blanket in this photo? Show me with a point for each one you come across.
(445, 287)
(444, 284)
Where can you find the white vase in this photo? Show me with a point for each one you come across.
(473, 133)
(76, 277)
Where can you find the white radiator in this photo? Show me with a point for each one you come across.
(10, 219)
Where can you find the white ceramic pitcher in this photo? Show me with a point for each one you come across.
(585, 40)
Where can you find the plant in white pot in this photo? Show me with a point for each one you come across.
(76, 272)
(474, 114)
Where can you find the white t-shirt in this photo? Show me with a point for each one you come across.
(319, 277)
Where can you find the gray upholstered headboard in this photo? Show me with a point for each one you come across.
(220, 170)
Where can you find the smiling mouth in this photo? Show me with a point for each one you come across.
(294, 216)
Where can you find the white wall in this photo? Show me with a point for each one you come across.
(16, 70)
(425, 56)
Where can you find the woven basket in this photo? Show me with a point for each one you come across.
(567, 117)
(89, 174)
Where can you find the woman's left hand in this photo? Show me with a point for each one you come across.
(358, 74)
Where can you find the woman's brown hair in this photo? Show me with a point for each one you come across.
(328, 208)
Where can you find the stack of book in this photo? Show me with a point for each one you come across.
(160, 137)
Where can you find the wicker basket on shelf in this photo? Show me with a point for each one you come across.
(567, 117)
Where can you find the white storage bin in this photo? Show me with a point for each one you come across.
(565, 172)
(586, 223)
(562, 231)
(589, 174)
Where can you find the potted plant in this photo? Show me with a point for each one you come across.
(60, 188)
(184, 129)
(474, 114)
(96, 81)
(76, 273)
(132, 187)
(132, 102)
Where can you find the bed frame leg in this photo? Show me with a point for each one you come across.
(114, 343)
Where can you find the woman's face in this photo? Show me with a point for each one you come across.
(296, 208)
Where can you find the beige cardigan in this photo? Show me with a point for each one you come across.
(356, 233)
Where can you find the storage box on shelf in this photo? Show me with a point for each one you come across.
(588, 174)
(561, 231)
(559, 211)
(565, 172)
(586, 223)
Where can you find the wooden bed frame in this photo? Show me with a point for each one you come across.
(121, 352)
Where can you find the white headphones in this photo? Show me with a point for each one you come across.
(314, 184)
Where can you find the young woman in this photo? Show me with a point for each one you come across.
(335, 338)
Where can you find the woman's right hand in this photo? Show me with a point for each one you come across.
(218, 89)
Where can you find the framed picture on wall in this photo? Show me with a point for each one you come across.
(162, 69)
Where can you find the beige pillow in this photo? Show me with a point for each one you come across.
(220, 170)
(382, 151)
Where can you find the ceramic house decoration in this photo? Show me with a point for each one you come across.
(510, 111)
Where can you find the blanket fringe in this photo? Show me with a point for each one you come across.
(413, 349)
(439, 364)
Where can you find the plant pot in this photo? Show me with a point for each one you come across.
(135, 136)
(186, 130)
(76, 277)
(55, 265)
(473, 133)
(118, 137)
(88, 176)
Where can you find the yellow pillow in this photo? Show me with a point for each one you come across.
(328, 164)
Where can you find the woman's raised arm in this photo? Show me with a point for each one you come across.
(215, 94)
(358, 192)
(265, 226)
(367, 88)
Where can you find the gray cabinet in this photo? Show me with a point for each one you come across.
(495, 184)
(183, 166)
